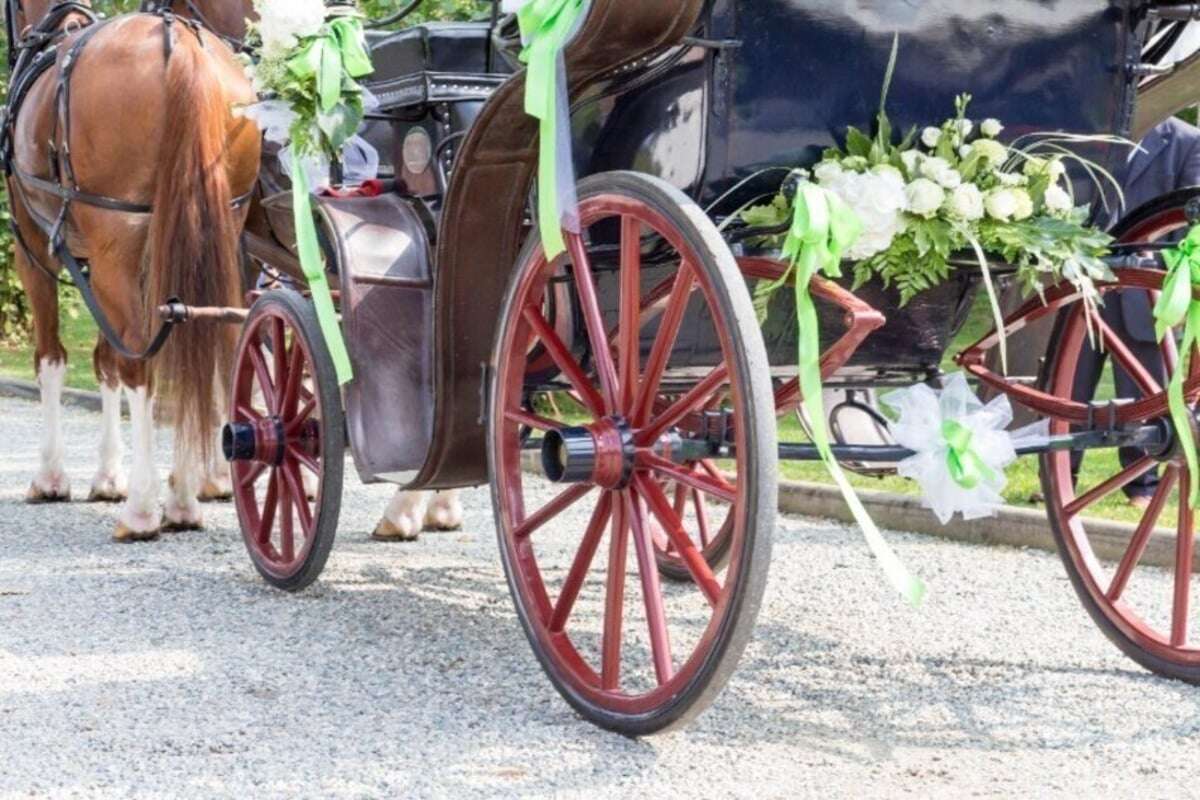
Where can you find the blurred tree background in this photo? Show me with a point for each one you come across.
(13, 310)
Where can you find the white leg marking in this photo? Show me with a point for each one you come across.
(110, 483)
(51, 481)
(183, 498)
(141, 513)
(444, 513)
(402, 517)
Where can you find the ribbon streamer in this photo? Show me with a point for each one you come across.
(546, 27)
(314, 270)
(823, 228)
(1177, 304)
(967, 467)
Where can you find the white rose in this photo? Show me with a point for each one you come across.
(878, 199)
(950, 179)
(1011, 179)
(966, 202)
(1056, 169)
(888, 171)
(1058, 201)
(964, 127)
(1024, 205)
(991, 128)
(930, 137)
(1001, 204)
(911, 160)
(925, 197)
(934, 168)
(990, 150)
(282, 23)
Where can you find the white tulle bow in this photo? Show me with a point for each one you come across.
(962, 447)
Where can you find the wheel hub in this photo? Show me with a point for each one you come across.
(602, 453)
(263, 441)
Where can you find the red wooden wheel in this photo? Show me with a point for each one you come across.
(629, 652)
(286, 441)
(1144, 610)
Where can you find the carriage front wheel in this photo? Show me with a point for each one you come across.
(286, 441)
(1145, 610)
(652, 278)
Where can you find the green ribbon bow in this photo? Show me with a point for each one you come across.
(1177, 304)
(330, 63)
(546, 26)
(967, 468)
(823, 228)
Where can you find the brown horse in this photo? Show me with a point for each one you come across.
(150, 123)
(408, 512)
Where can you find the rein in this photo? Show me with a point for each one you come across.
(164, 6)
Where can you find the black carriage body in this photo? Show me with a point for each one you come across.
(781, 79)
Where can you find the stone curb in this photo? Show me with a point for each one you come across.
(1011, 527)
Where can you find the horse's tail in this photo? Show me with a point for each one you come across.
(193, 244)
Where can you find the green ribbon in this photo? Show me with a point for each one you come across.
(823, 228)
(546, 26)
(1177, 304)
(330, 63)
(967, 468)
(314, 270)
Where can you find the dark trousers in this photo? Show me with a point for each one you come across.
(1087, 377)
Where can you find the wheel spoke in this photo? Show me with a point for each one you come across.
(694, 560)
(1141, 537)
(1184, 545)
(302, 416)
(245, 412)
(287, 537)
(664, 343)
(656, 615)
(682, 475)
(1128, 361)
(697, 397)
(582, 564)
(551, 510)
(1118, 481)
(614, 600)
(267, 522)
(305, 460)
(265, 384)
(531, 420)
(585, 287)
(701, 517)
(565, 361)
(295, 375)
(280, 357)
(629, 338)
(291, 474)
(252, 476)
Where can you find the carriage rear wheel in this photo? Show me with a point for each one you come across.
(628, 651)
(286, 441)
(1145, 610)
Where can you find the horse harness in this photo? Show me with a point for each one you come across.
(30, 57)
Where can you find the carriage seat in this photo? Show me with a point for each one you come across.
(434, 63)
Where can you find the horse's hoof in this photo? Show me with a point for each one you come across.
(443, 517)
(215, 492)
(178, 519)
(49, 489)
(126, 535)
(181, 526)
(108, 489)
(387, 531)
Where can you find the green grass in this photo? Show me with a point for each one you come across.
(79, 337)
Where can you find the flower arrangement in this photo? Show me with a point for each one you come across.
(956, 188)
(307, 59)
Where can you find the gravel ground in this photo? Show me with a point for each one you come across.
(170, 669)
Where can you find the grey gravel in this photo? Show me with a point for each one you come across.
(171, 670)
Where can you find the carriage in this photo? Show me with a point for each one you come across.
(625, 395)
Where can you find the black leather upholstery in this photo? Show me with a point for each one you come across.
(443, 61)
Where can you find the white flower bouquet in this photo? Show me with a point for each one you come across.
(955, 189)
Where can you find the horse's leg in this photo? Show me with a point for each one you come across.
(183, 499)
(402, 519)
(50, 484)
(110, 484)
(444, 512)
(217, 485)
(141, 516)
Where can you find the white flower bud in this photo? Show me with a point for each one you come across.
(1001, 204)
(930, 137)
(827, 172)
(912, 161)
(991, 128)
(924, 197)
(1024, 205)
(950, 179)
(1058, 201)
(964, 127)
